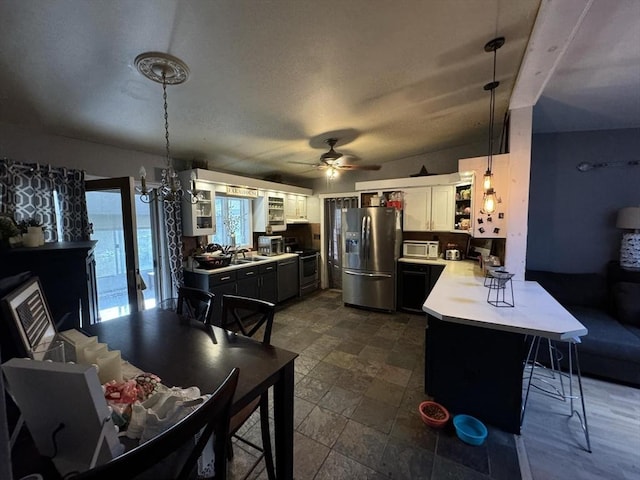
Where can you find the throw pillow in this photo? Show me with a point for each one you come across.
(626, 296)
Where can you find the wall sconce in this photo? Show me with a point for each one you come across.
(629, 219)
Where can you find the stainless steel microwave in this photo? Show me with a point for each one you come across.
(420, 249)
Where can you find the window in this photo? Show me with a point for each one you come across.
(233, 213)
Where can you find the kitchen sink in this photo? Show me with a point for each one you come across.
(241, 261)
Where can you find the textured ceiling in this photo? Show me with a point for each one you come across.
(269, 79)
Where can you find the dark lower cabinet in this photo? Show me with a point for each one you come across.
(415, 282)
(216, 283)
(288, 279)
(475, 370)
(247, 284)
(67, 273)
(269, 282)
(256, 281)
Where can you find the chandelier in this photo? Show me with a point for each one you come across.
(489, 202)
(166, 70)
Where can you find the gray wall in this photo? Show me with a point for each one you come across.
(572, 214)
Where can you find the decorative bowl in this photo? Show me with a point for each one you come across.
(209, 262)
(470, 430)
(433, 414)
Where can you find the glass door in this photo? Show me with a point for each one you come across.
(110, 206)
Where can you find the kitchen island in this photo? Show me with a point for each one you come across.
(474, 351)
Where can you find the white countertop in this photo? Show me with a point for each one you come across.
(262, 261)
(460, 296)
(425, 261)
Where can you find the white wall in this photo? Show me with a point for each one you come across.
(440, 162)
(519, 175)
(96, 159)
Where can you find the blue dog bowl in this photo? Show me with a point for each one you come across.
(470, 430)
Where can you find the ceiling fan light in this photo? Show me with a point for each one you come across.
(332, 173)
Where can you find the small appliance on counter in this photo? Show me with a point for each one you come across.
(452, 252)
(426, 249)
(270, 245)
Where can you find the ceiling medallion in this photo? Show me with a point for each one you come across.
(153, 64)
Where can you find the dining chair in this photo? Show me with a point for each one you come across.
(251, 317)
(195, 303)
(211, 418)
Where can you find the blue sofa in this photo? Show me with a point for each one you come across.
(610, 309)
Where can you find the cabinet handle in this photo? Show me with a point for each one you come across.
(250, 273)
(224, 278)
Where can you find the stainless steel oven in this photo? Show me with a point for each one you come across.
(309, 275)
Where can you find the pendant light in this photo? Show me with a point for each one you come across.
(166, 70)
(489, 203)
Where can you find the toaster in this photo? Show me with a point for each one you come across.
(452, 255)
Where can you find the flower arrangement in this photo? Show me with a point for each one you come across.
(232, 223)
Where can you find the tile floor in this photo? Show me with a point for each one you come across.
(359, 380)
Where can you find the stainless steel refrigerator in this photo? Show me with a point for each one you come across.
(371, 240)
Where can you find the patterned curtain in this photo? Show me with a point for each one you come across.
(333, 233)
(55, 197)
(173, 231)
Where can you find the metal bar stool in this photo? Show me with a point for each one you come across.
(537, 371)
(547, 376)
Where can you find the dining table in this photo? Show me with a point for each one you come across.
(186, 353)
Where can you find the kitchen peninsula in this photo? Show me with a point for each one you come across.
(474, 351)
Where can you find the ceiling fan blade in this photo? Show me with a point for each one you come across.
(305, 163)
(358, 167)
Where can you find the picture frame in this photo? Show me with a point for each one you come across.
(29, 319)
(65, 411)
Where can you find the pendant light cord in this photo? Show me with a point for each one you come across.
(492, 109)
(166, 117)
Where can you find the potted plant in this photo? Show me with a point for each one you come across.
(32, 231)
(8, 231)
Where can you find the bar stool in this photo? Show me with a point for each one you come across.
(548, 376)
(538, 371)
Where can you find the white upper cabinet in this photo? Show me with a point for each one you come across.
(199, 218)
(296, 208)
(428, 208)
(269, 210)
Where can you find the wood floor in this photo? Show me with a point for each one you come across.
(555, 444)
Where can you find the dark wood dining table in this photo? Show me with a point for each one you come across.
(187, 353)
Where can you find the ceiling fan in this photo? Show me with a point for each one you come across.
(334, 161)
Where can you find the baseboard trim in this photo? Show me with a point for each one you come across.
(523, 458)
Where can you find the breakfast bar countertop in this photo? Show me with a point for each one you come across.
(459, 296)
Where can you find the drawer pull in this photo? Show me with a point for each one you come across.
(224, 278)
